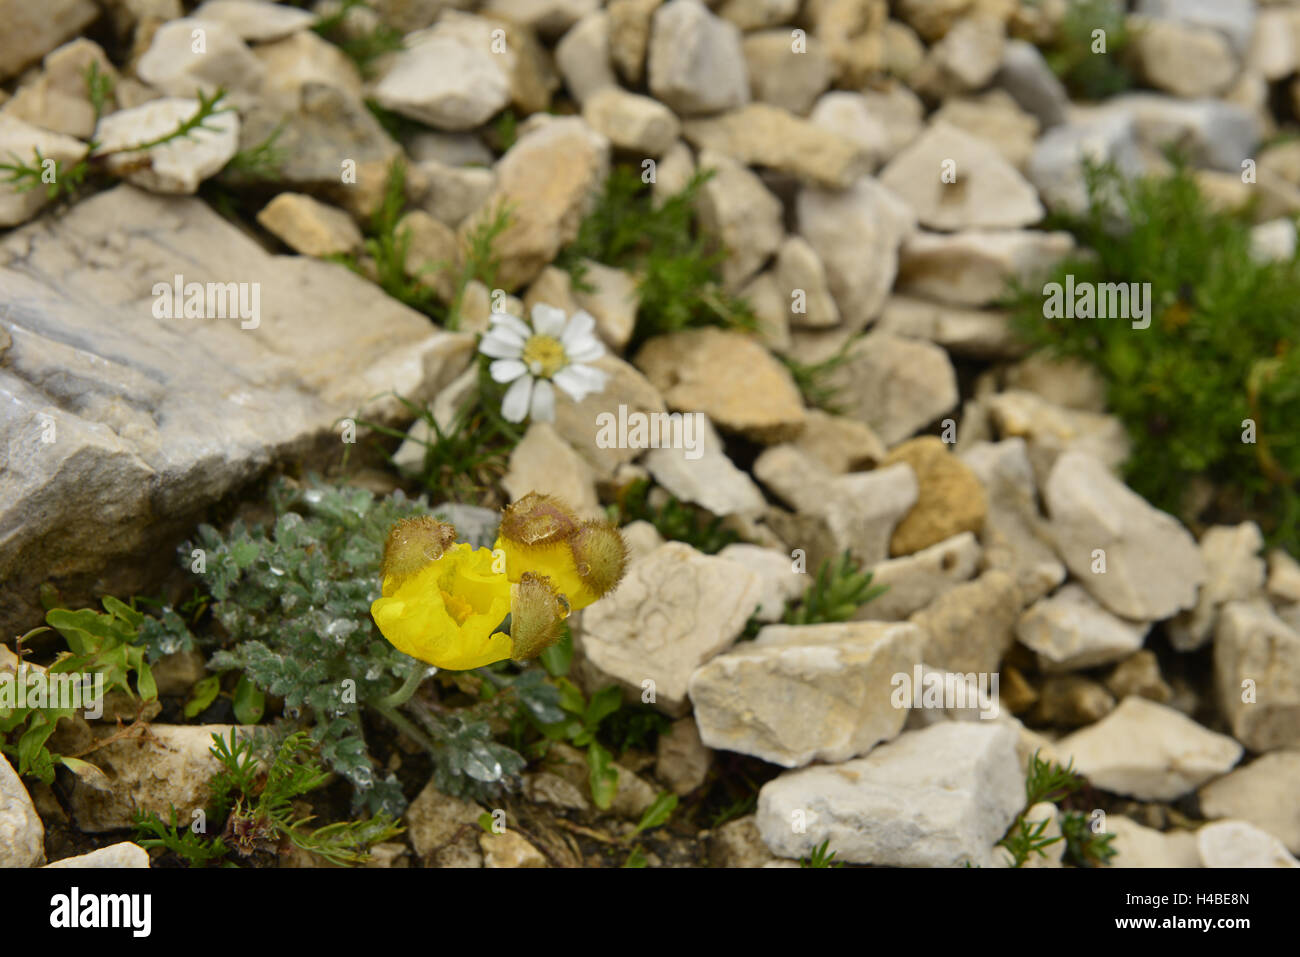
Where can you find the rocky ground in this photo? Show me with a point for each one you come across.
(979, 481)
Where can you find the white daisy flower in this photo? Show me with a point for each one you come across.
(551, 350)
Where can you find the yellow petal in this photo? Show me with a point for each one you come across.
(445, 613)
(554, 561)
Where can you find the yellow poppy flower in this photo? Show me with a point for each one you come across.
(446, 612)
(581, 560)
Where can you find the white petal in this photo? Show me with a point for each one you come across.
(548, 320)
(505, 333)
(515, 404)
(585, 350)
(580, 381)
(507, 370)
(580, 327)
(543, 402)
(506, 320)
(498, 347)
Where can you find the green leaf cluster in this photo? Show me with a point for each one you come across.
(677, 264)
(104, 643)
(602, 725)
(820, 858)
(1049, 781)
(1088, 75)
(23, 175)
(256, 804)
(674, 519)
(363, 48)
(388, 243)
(838, 590)
(464, 460)
(293, 598)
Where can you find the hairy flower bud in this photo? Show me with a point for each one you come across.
(538, 520)
(411, 545)
(600, 556)
(537, 613)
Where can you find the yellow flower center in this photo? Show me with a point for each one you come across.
(544, 355)
(457, 607)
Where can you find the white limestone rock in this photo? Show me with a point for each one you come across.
(1153, 566)
(941, 797)
(1071, 631)
(806, 692)
(1149, 751)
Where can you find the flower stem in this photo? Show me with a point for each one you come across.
(407, 728)
(403, 694)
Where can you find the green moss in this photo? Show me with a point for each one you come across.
(1221, 351)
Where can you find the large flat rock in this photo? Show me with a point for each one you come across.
(118, 428)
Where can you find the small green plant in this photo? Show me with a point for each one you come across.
(591, 724)
(1088, 71)
(361, 48)
(814, 379)
(505, 130)
(210, 105)
(65, 182)
(1210, 390)
(679, 283)
(835, 594)
(1049, 781)
(256, 804)
(388, 245)
(293, 601)
(1084, 847)
(25, 176)
(99, 88)
(196, 851)
(602, 725)
(465, 460)
(479, 258)
(674, 519)
(259, 163)
(99, 643)
(819, 857)
(656, 815)
(1025, 839)
(248, 700)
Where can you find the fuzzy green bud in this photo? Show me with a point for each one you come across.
(537, 520)
(537, 613)
(599, 555)
(411, 544)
